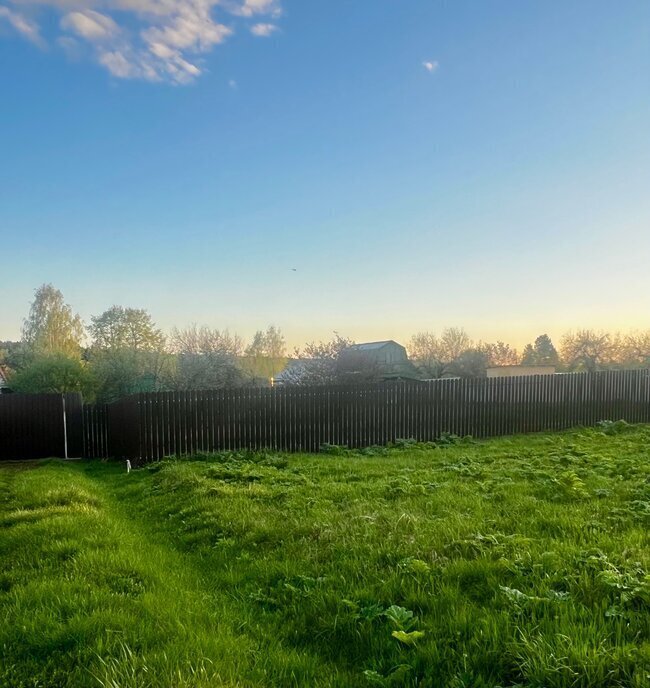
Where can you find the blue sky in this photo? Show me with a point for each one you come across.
(420, 163)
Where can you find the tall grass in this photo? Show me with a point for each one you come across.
(514, 562)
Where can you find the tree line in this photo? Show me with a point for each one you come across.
(453, 353)
(121, 351)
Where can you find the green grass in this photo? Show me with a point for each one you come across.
(514, 562)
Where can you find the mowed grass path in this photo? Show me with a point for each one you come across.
(513, 562)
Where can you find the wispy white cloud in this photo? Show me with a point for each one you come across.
(71, 47)
(121, 65)
(249, 8)
(24, 26)
(431, 66)
(90, 25)
(154, 40)
(263, 30)
(232, 83)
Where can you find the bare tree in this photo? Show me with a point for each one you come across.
(316, 362)
(435, 356)
(635, 349)
(589, 350)
(500, 354)
(204, 340)
(425, 350)
(453, 342)
(205, 358)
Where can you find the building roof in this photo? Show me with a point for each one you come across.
(368, 359)
(371, 346)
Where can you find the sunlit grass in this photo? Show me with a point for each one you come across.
(520, 561)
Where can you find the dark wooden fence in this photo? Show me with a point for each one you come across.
(35, 426)
(150, 426)
(95, 431)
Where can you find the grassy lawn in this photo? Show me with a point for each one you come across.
(513, 562)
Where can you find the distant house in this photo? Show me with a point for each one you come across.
(385, 360)
(520, 370)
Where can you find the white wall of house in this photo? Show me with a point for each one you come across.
(520, 371)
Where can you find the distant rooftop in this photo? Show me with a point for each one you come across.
(370, 346)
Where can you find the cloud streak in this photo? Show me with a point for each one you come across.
(263, 30)
(153, 40)
(430, 66)
(250, 8)
(90, 25)
(24, 26)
